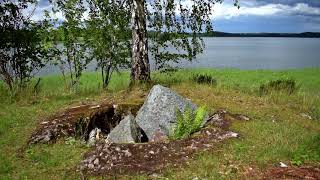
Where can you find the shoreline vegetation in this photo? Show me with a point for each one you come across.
(284, 127)
(287, 35)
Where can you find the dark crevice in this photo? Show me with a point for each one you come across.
(144, 137)
(105, 120)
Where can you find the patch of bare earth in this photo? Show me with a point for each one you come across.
(80, 120)
(293, 173)
(106, 158)
(148, 158)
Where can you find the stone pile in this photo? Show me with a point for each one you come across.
(155, 119)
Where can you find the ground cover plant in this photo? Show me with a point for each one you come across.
(279, 130)
(189, 122)
(204, 79)
(283, 85)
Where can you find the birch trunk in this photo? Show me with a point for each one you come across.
(140, 70)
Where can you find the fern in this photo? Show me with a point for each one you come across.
(200, 115)
(188, 122)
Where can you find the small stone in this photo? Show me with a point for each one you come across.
(207, 145)
(91, 159)
(95, 107)
(90, 166)
(151, 152)
(127, 153)
(283, 165)
(208, 133)
(243, 117)
(96, 161)
(118, 149)
(306, 116)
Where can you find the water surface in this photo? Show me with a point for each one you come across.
(249, 53)
(258, 53)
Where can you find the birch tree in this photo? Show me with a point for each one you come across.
(169, 28)
(171, 23)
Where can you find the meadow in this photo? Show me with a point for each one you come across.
(280, 129)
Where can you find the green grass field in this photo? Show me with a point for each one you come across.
(277, 131)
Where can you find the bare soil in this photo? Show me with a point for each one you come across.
(148, 158)
(293, 173)
(80, 120)
(105, 159)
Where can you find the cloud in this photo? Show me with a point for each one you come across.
(227, 11)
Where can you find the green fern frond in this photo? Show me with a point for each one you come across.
(188, 122)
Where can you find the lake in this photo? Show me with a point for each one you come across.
(250, 53)
(258, 53)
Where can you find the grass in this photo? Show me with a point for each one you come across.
(276, 132)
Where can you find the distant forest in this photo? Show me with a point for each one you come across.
(297, 35)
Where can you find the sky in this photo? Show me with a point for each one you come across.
(292, 16)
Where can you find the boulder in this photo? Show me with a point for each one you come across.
(127, 131)
(159, 111)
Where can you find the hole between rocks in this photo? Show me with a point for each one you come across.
(105, 121)
(144, 137)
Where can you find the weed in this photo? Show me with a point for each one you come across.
(82, 127)
(188, 122)
(204, 79)
(287, 86)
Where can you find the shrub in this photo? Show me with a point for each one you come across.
(204, 79)
(288, 86)
(188, 122)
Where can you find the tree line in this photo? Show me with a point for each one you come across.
(114, 33)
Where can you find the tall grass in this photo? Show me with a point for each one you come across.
(277, 131)
(247, 81)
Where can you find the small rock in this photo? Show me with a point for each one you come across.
(96, 161)
(127, 153)
(92, 137)
(283, 165)
(207, 145)
(304, 115)
(232, 134)
(151, 152)
(243, 117)
(90, 166)
(95, 107)
(118, 149)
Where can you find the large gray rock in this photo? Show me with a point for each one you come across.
(159, 111)
(127, 131)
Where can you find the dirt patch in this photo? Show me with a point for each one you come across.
(223, 119)
(80, 120)
(127, 159)
(293, 173)
(148, 158)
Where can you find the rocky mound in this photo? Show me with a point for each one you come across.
(135, 145)
(81, 120)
